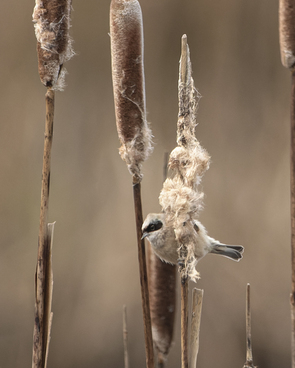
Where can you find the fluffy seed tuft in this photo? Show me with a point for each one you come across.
(180, 197)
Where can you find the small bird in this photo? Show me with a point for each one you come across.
(163, 241)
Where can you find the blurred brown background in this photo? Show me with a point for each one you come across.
(243, 123)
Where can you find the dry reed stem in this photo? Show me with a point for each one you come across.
(39, 338)
(126, 29)
(51, 20)
(184, 322)
(143, 278)
(249, 355)
(197, 301)
(49, 290)
(287, 46)
(292, 184)
(125, 338)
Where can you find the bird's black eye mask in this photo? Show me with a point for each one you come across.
(153, 226)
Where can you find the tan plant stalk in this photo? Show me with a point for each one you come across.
(184, 322)
(48, 290)
(125, 338)
(51, 22)
(287, 46)
(197, 301)
(180, 198)
(126, 29)
(162, 291)
(39, 344)
(249, 355)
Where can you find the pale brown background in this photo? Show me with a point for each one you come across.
(243, 123)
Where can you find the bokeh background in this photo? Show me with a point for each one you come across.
(243, 123)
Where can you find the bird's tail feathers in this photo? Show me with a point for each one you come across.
(233, 252)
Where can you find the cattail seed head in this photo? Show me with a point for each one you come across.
(162, 284)
(180, 198)
(287, 32)
(128, 84)
(51, 20)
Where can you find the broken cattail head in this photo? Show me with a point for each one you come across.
(51, 20)
(287, 32)
(180, 198)
(128, 84)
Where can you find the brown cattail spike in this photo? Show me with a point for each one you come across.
(287, 32)
(162, 292)
(54, 46)
(162, 285)
(128, 83)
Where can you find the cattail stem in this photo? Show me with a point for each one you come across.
(197, 301)
(287, 47)
(143, 278)
(39, 337)
(293, 216)
(249, 356)
(125, 338)
(48, 292)
(184, 322)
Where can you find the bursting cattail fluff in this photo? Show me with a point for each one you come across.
(180, 198)
(51, 20)
(128, 84)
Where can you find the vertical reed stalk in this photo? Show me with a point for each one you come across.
(197, 301)
(126, 30)
(292, 299)
(249, 355)
(39, 345)
(51, 21)
(48, 291)
(43, 314)
(125, 338)
(184, 322)
(287, 46)
(143, 278)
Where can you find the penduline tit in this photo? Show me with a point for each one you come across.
(163, 241)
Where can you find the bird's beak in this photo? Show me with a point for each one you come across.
(144, 235)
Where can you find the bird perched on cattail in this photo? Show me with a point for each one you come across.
(163, 241)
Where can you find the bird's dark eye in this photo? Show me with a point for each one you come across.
(196, 227)
(153, 226)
